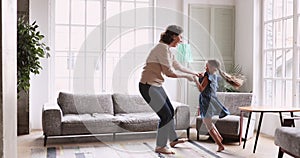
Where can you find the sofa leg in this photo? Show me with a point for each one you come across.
(114, 136)
(45, 139)
(280, 153)
(188, 133)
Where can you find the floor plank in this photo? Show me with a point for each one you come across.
(138, 145)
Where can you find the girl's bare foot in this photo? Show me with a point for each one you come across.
(221, 148)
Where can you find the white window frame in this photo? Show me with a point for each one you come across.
(52, 76)
(295, 76)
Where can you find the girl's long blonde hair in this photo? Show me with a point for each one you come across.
(235, 81)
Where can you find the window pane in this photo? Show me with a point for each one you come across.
(289, 33)
(98, 69)
(134, 78)
(111, 61)
(62, 85)
(78, 12)
(127, 18)
(143, 37)
(94, 85)
(278, 98)
(288, 93)
(269, 64)
(112, 9)
(278, 63)
(268, 92)
(93, 12)
(268, 10)
(127, 41)
(62, 9)
(113, 39)
(62, 66)
(141, 21)
(298, 31)
(288, 63)
(78, 64)
(142, 5)
(91, 60)
(278, 34)
(298, 62)
(93, 39)
(77, 38)
(278, 8)
(298, 7)
(268, 35)
(143, 1)
(298, 94)
(62, 38)
(288, 8)
(78, 85)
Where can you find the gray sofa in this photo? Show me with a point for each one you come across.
(288, 138)
(79, 114)
(229, 126)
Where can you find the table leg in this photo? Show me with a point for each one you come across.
(280, 116)
(258, 130)
(292, 115)
(248, 123)
(241, 126)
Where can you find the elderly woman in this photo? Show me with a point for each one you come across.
(161, 61)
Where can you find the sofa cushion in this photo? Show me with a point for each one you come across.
(288, 138)
(138, 122)
(85, 103)
(89, 124)
(233, 100)
(124, 103)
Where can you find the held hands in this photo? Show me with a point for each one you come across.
(194, 76)
(189, 77)
(200, 74)
(195, 79)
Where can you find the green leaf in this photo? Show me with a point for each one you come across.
(30, 49)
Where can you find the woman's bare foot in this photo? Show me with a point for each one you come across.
(221, 148)
(180, 140)
(164, 150)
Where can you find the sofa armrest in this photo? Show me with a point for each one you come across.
(51, 119)
(182, 115)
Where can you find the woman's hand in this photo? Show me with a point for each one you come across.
(195, 79)
(189, 77)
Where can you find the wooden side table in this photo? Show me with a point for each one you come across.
(262, 110)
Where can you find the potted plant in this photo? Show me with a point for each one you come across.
(234, 70)
(30, 49)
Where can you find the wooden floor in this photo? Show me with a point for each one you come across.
(265, 147)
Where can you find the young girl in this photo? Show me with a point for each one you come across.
(208, 101)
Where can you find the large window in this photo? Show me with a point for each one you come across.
(281, 53)
(98, 44)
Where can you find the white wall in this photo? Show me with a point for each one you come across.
(244, 40)
(39, 84)
(39, 92)
(40, 88)
(8, 105)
